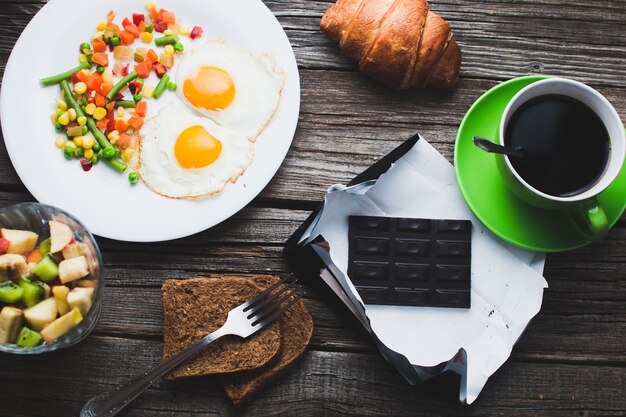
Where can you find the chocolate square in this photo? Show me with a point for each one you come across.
(414, 262)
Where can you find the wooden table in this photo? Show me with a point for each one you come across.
(570, 362)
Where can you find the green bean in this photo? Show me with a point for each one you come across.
(55, 79)
(97, 133)
(161, 86)
(121, 84)
(165, 40)
(127, 104)
(116, 164)
(70, 99)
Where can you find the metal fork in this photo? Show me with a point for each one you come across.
(243, 321)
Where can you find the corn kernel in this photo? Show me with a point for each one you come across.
(146, 37)
(82, 58)
(183, 30)
(101, 26)
(169, 50)
(168, 32)
(107, 76)
(89, 108)
(80, 87)
(99, 113)
(130, 110)
(78, 140)
(127, 154)
(88, 142)
(147, 91)
(88, 154)
(151, 5)
(120, 111)
(72, 113)
(81, 120)
(64, 118)
(59, 143)
(62, 104)
(114, 136)
(70, 143)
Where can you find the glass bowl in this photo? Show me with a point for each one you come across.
(35, 217)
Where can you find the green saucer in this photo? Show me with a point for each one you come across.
(491, 201)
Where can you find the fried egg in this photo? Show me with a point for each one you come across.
(232, 86)
(183, 155)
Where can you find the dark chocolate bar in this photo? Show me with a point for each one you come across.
(415, 262)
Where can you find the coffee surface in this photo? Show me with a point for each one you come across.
(567, 143)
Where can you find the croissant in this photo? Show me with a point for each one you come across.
(399, 43)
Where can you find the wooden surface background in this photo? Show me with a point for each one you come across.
(570, 362)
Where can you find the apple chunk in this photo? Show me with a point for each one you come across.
(80, 298)
(60, 236)
(20, 241)
(73, 269)
(61, 326)
(40, 314)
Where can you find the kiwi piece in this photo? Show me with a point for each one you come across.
(10, 293)
(34, 292)
(28, 338)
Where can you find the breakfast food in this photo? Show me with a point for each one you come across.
(296, 330)
(399, 43)
(184, 155)
(46, 287)
(236, 88)
(412, 262)
(195, 307)
(103, 100)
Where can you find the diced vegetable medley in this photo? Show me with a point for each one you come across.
(103, 100)
(46, 287)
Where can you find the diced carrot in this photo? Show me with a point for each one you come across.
(141, 26)
(82, 76)
(126, 37)
(168, 17)
(33, 256)
(141, 109)
(110, 16)
(102, 124)
(126, 22)
(135, 121)
(95, 81)
(110, 106)
(105, 88)
(143, 70)
(152, 56)
(99, 45)
(99, 100)
(154, 13)
(120, 125)
(132, 28)
(124, 141)
(101, 59)
(160, 14)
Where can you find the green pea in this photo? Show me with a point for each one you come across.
(100, 69)
(84, 46)
(58, 127)
(179, 47)
(171, 86)
(68, 152)
(95, 159)
(80, 152)
(96, 147)
(133, 178)
(137, 97)
(115, 40)
(59, 113)
(85, 130)
(108, 152)
(150, 28)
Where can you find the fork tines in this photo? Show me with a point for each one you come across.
(272, 302)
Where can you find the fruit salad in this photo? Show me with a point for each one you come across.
(46, 286)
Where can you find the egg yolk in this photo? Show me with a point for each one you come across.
(196, 148)
(210, 88)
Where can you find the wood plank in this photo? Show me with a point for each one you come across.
(322, 384)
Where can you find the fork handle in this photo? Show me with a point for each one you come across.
(111, 402)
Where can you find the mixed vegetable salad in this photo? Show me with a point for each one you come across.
(45, 288)
(103, 100)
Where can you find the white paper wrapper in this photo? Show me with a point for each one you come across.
(507, 285)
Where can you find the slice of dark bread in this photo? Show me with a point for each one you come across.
(296, 329)
(195, 307)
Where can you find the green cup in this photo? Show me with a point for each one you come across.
(584, 208)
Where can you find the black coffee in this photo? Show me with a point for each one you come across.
(567, 143)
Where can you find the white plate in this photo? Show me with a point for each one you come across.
(101, 198)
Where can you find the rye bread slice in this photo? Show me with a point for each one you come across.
(195, 307)
(296, 330)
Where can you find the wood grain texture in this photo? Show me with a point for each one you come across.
(571, 361)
